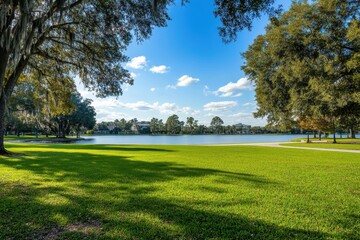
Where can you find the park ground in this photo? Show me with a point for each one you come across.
(59, 191)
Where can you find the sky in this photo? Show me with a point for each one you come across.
(187, 70)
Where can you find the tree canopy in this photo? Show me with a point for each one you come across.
(62, 38)
(306, 65)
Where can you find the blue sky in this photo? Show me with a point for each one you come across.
(186, 69)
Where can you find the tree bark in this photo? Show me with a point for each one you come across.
(308, 137)
(352, 133)
(7, 88)
(334, 129)
(2, 125)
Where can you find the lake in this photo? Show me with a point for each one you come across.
(187, 139)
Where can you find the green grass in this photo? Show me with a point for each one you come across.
(330, 140)
(325, 145)
(178, 192)
(342, 143)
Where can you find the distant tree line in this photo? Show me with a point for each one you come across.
(174, 126)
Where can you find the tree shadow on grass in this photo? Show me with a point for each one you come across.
(87, 167)
(84, 195)
(126, 148)
(352, 223)
(139, 217)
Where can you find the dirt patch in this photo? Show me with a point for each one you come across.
(54, 233)
(86, 228)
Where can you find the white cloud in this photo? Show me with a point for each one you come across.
(241, 115)
(219, 106)
(207, 91)
(152, 89)
(232, 89)
(159, 69)
(105, 115)
(246, 118)
(133, 75)
(172, 108)
(186, 80)
(137, 62)
(101, 103)
(168, 108)
(249, 104)
(85, 93)
(170, 87)
(140, 105)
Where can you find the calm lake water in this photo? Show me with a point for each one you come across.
(186, 139)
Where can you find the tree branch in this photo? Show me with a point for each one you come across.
(47, 56)
(74, 4)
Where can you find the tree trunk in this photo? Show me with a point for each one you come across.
(2, 125)
(3, 63)
(314, 132)
(319, 135)
(352, 133)
(62, 129)
(334, 129)
(7, 89)
(308, 137)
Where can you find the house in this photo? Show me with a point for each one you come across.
(140, 127)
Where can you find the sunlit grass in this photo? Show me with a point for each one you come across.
(325, 145)
(186, 192)
(330, 140)
(342, 143)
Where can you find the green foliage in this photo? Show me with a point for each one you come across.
(217, 122)
(178, 192)
(173, 125)
(59, 39)
(306, 65)
(84, 115)
(156, 126)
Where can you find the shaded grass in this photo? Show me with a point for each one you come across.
(185, 192)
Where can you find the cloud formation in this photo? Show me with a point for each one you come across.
(219, 106)
(246, 118)
(137, 62)
(112, 105)
(133, 75)
(159, 69)
(152, 89)
(186, 80)
(249, 104)
(233, 89)
(170, 87)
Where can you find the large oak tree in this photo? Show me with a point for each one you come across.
(307, 64)
(63, 38)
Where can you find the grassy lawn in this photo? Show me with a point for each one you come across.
(342, 143)
(178, 192)
(330, 140)
(325, 145)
